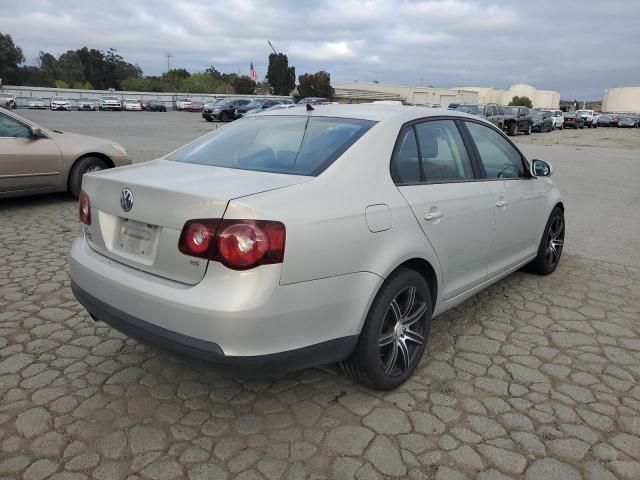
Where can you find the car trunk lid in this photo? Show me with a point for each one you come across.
(163, 196)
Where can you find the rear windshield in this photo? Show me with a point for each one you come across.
(296, 145)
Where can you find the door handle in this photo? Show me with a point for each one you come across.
(433, 216)
(501, 203)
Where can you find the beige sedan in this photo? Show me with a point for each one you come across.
(34, 159)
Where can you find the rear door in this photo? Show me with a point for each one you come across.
(519, 200)
(27, 162)
(434, 173)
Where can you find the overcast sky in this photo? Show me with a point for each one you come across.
(576, 47)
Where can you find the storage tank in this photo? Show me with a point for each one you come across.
(622, 99)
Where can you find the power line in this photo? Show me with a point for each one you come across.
(168, 55)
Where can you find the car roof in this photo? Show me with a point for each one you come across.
(369, 111)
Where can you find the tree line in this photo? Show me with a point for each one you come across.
(89, 69)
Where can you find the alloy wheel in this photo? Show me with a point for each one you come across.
(93, 168)
(555, 241)
(402, 334)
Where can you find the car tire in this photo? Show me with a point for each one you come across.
(551, 244)
(529, 129)
(208, 119)
(82, 166)
(386, 355)
(513, 129)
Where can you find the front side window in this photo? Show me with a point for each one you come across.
(499, 157)
(10, 128)
(297, 145)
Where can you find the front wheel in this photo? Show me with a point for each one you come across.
(395, 333)
(224, 117)
(513, 129)
(82, 166)
(551, 244)
(529, 129)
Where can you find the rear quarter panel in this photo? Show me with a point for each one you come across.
(326, 227)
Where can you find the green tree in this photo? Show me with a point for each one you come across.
(523, 101)
(10, 59)
(280, 75)
(175, 77)
(244, 85)
(315, 85)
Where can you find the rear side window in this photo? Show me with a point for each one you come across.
(499, 157)
(297, 145)
(431, 151)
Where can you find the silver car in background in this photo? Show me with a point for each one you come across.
(36, 103)
(60, 103)
(303, 236)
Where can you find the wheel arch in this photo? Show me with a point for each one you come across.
(99, 155)
(424, 268)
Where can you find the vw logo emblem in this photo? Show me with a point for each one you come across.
(126, 199)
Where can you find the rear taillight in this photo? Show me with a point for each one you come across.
(84, 208)
(237, 244)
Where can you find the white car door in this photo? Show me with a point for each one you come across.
(519, 199)
(434, 173)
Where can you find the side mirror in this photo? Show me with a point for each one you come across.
(540, 168)
(35, 132)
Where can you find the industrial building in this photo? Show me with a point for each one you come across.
(622, 99)
(361, 91)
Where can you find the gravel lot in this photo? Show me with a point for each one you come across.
(535, 378)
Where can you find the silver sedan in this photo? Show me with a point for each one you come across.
(305, 236)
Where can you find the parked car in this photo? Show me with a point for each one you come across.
(223, 110)
(110, 103)
(34, 159)
(155, 106)
(255, 106)
(36, 103)
(605, 120)
(7, 101)
(590, 117)
(572, 120)
(541, 121)
(196, 106)
(282, 276)
(517, 119)
(491, 112)
(453, 106)
(60, 103)
(313, 101)
(558, 119)
(129, 104)
(183, 103)
(87, 104)
(628, 121)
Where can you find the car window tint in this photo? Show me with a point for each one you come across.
(444, 156)
(297, 145)
(406, 164)
(499, 157)
(10, 128)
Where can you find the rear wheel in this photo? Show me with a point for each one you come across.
(513, 129)
(82, 166)
(528, 131)
(550, 248)
(394, 334)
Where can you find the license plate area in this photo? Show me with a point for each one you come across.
(136, 240)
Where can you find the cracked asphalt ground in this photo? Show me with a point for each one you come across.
(535, 378)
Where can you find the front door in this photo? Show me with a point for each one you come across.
(433, 171)
(26, 162)
(518, 199)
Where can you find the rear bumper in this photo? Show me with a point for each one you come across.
(229, 317)
(323, 353)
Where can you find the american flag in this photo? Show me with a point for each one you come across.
(252, 73)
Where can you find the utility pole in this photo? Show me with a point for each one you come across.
(168, 55)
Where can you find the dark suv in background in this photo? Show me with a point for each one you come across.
(223, 110)
(517, 119)
(491, 112)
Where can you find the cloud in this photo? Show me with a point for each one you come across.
(577, 47)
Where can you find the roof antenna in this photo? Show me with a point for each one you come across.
(310, 108)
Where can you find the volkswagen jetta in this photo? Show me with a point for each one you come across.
(305, 236)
